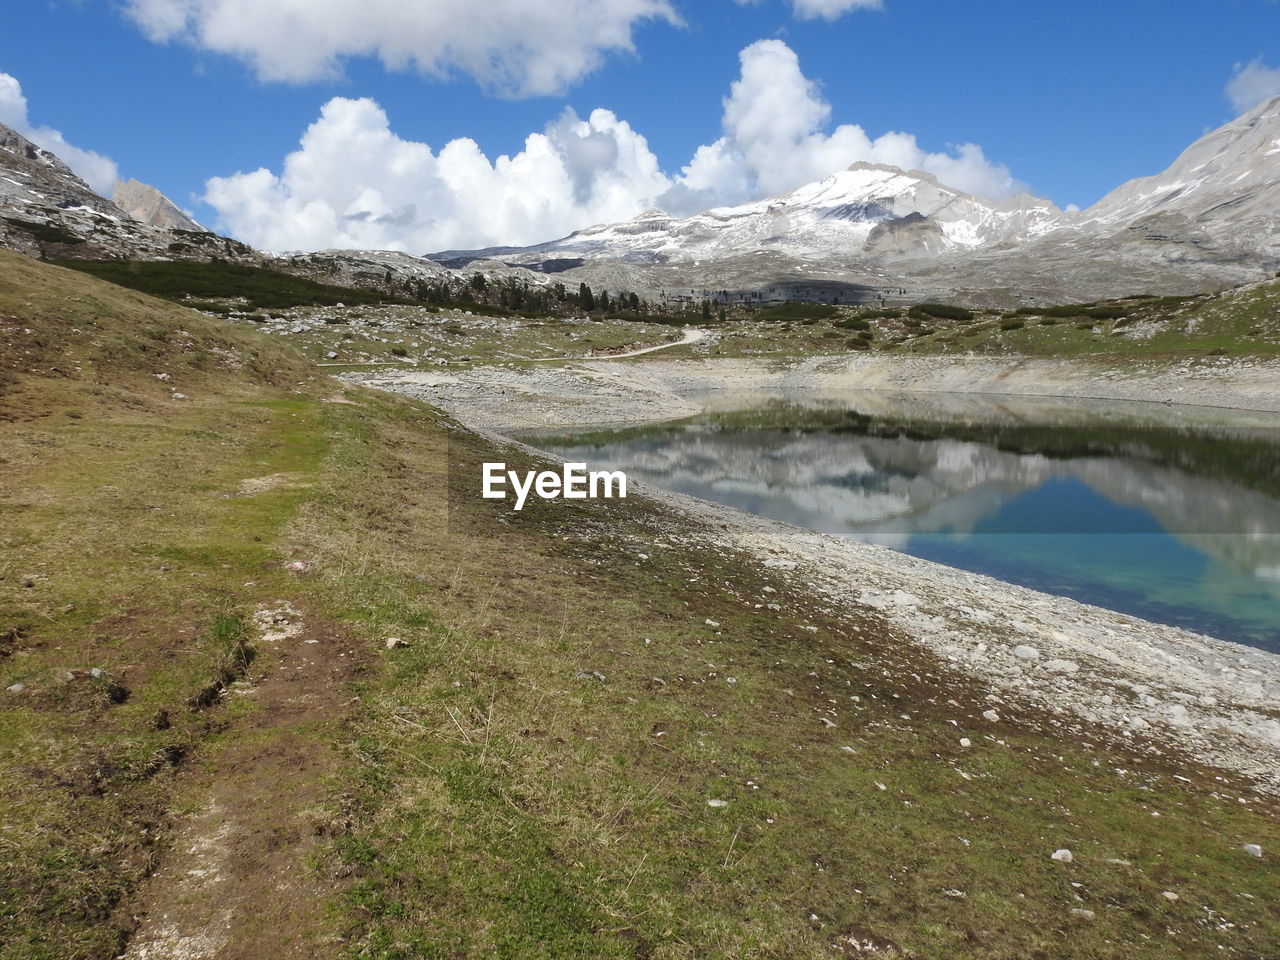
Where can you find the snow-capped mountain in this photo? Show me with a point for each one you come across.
(867, 210)
(1212, 218)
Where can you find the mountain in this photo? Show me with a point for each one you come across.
(870, 232)
(143, 202)
(1229, 175)
(47, 211)
(1211, 220)
(870, 209)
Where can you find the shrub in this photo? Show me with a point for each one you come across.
(941, 311)
(399, 352)
(1012, 324)
(1048, 321)
(798, 311)
(261, 286)
(45, 232)
(854, 323)
(857, 343)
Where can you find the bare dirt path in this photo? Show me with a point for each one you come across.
(235, 882)
(691, 335)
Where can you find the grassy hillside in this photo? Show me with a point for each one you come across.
(596, 740)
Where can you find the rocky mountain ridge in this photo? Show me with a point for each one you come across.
(143, 202)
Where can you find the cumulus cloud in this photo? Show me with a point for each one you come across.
(1251, 84)
(353, 182)
(93, 168)
(774, 139)
(517, 47)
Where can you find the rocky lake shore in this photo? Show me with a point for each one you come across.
(1160, 688)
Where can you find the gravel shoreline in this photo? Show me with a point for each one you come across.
(1160, 688)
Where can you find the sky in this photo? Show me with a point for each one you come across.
(424, 125)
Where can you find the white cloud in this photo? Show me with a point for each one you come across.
(517, 47)
(773, 140)
(1251, 84)
(93, 168)
(831, 9)
(353, 182)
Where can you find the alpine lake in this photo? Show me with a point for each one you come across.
(1164, 512)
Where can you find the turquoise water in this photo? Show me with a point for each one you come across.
(1169, 514)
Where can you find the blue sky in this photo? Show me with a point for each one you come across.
(1070, 99)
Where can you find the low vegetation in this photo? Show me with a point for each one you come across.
(257, 287)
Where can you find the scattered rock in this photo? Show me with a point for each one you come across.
(19, 687)
(1252, 849)
(1169, 895)
(1024, 652)
(1081, 914)
(717, 803)
(966, 742)
(395, 643)
(712, 623)
(1063, 855)
(298, 566)
(1061, 666)
(991, 715)
(591, 675)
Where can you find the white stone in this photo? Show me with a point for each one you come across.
(1024, 652)
(1063, 855)
(966, 742)
(1252, 849)
(395, 643)
(991, 715)
(717, 803)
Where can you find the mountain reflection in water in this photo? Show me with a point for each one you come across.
(1169, 513)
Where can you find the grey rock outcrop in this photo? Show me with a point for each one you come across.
(144, 203)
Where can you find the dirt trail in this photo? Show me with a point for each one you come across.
(690, 335)
(235, 883)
